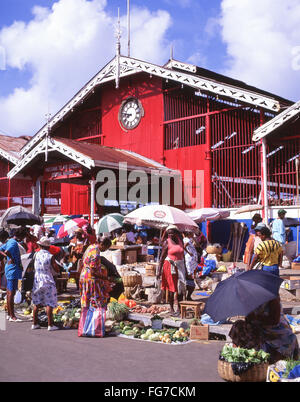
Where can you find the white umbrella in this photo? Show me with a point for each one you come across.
(208, 214)
(249, 208)
(161, 216)
(109, 223)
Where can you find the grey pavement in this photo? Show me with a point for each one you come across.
(62, 356)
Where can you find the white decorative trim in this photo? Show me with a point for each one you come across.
(204, 84)
(276, 122)
(8, 156)
(129, 66)
(181, 66)
(53, 145)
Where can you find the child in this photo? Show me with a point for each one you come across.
(67, 264)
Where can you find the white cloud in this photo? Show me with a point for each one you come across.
(262, 37)
(63, 47)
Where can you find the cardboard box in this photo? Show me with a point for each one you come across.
(296, 265)
(144, 258)
(143, 250)
(291, 282)
(199, 332)
(130, 256)
(150, 270)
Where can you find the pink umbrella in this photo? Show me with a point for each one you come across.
(70, 227)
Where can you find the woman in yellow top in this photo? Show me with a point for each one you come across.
(269, 252)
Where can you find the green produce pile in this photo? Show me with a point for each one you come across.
(139, 331)
(118, 311)
(240, 355)
(67, 316)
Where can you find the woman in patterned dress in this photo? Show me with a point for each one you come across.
(94, 284)
(267, 328)
(44, 288)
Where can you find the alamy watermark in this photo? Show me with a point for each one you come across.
(138, 186)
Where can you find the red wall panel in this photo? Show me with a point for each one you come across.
(74, 199)
(147, 138)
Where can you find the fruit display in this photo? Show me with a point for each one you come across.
(139, 331)
(149, 310)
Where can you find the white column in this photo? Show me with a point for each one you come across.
(265, 180)
(92, 184)
(36, 194)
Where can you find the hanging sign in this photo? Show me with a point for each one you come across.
(62, 171)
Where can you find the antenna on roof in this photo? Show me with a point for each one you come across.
(128, 26)
(118, 50)
(171, 52)
(48, 116)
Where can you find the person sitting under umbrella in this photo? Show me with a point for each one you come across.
(172, 268)
(269, 252)
(266, 328)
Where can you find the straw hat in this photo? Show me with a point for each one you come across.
(172, 227)
(44, 241)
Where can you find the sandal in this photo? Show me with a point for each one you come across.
(15, 320)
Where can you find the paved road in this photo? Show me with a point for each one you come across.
(40, 355)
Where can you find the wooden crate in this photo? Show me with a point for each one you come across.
(296, 265)
(199, 332)
(130, 256)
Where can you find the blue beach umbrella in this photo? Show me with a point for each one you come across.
(242, 293)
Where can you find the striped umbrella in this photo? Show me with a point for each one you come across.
(109, 223)
(70, 226)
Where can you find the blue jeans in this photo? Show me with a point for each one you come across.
(12, 284)
(273, 269)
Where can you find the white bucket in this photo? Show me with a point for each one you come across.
(117, 257)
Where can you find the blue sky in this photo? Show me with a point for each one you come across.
(53, 47)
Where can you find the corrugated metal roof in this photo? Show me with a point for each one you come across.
(13, 145)
(109, 155)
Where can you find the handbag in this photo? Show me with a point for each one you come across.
(92, 322)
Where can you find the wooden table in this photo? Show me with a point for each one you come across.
(194, 305)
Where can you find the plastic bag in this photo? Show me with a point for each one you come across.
(92, 322)
(18, 297)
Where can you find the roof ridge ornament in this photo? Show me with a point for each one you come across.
(118, 35)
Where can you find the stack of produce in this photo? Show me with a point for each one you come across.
(64, 316)
(139, 331)
(149, 310)
(117, 311)
(240, 364)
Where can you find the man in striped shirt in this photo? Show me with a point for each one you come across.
(269, 252)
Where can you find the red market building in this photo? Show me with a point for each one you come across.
(177, 116)
(18, 191)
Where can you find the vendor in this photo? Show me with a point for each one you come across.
(266, 328)
(171, 269)
(253, 240)
(191, 262)
(200, 243)
(269, 252)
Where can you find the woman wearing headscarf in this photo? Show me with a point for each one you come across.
(172, 270)
(44, 293)
(94, 284)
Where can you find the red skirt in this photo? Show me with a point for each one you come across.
(168, 281)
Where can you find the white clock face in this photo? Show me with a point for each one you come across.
(131, 113)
